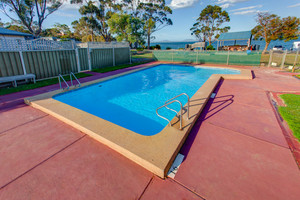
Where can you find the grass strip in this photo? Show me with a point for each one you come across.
(109, 69)
(38, 84)
(291, 113)
(145, 55)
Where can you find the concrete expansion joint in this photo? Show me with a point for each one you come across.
(249, 136)
(38, 118)
(187, 188)
(42, 162)
(149, 183)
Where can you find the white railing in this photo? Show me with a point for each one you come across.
(102, 45)
(34, 45)
(42, 44)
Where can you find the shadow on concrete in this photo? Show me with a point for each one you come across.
(253, 74)
(212, 107)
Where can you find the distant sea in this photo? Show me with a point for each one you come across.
(176, 45)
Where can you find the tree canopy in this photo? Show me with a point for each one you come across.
(30, 13)
(155, 16)
(272, 27)
(58, 30)
(208, 24)
(126, 27)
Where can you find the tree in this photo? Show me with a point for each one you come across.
(126, 27)
(14, 27)
(1, 24)
(290, 29)
(271, 27)
(155, 16)
(209, 23)
(96, 17)
(62, 30)
(30, 13)
(84, 33)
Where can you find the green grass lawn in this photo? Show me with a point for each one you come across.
(291, 113)
(38, 84)
(144, 55)
(109, 69)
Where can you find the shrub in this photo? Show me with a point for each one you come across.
(168, 48)
(157, 46)
(210, 47)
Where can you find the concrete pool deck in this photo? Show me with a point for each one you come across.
(236, 150)
(156, 153)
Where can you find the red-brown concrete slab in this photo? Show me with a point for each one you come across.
(254, 121)
(242, 92)
(167, 189)
(222, 164)
(85, 170)
(267, 79)
(18, 116)
(28, 145)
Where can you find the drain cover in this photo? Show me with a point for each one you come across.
(175, 166)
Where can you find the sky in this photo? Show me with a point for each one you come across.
(185, 12)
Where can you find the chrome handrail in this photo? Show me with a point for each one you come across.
(180, 116)
(61, 77)
(188, 107)
(79, 84)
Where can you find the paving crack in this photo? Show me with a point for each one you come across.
(45, 160)
(24, 124)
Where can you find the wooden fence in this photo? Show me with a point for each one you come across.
(50, 63)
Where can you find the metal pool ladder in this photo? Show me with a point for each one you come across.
(171, 101)
(61, 77)
(71, 75)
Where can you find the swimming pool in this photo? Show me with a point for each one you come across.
(131, 100)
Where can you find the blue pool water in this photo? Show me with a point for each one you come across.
(130, 101)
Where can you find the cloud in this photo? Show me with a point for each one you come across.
(68, 6)
(64, 14)
(229, 3)
(226, 5)
(295, 5)
(175, 4)
(247, 8)
(245, 12)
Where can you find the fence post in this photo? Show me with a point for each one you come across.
(228, 57)
(270, 58)
(22, 62)
(89, 56)
(173, 56)
(77, 60)
(197, 57)
(283, 59)
(129, 55)
(294, 65)
(114, 62)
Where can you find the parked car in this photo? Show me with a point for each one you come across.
(296, 45)
(277, 48)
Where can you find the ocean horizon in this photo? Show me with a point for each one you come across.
(261, 43)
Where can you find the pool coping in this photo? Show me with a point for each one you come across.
(155, 153)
